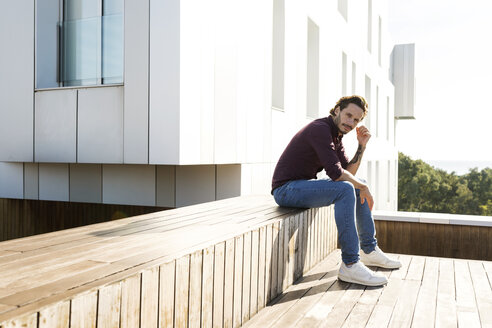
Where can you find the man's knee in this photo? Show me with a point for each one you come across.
(347, 189)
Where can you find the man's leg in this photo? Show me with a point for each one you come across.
(324, 192)
(365, 226)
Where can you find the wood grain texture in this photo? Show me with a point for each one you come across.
(130, 302)
(166, 294)
(109, 306)
(56, 316)
(195, 302)
(149, 297)
(83, 312)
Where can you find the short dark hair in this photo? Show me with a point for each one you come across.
(356, 100)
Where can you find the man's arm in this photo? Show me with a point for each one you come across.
(363, 137)
(365, 194)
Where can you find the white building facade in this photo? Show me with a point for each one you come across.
(171, 103)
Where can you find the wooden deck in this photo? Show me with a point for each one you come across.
(207, 265)
(425, 292)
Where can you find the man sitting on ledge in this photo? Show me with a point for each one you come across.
(319, 146)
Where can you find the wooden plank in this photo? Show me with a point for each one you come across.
(83, 311)
(109, 306)
(342, 308)
(446, 305)
(150, 297)
(208, 287)
(381, 314)
(425, 309)
(195, 303)
(229, 283)
(255, 240)
(416, 268)
(401, 273)
(404, 308)
(130, 301)
(274, 261)
(281, 258)
(166, 294)
(466, 306)
(269, 263)
(246, 288)
(262, 263)
(181, 300)
(238, 281)
(27, 321)
(55, 316)
(483, 292)
(300, 246)
(218, 303)
(288, 253)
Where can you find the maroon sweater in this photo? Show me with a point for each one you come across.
(315, 147)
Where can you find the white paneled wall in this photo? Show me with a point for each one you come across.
(129, 184)
(164, 82)
(100, 125)
(228, 182)
(11, 180)
(53, 182)
(136, 77)
(31, 181)
(56, 126)
(86, 183)
(194, 184)
(16, 80)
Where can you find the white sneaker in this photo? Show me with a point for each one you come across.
(360, 274)
(379, 259)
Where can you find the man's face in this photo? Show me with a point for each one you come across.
(347, 119)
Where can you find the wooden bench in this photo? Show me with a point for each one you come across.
(209, 265)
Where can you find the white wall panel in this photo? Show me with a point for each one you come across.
(11, 180)
(136, 95)
(47, 19)
(129, 184)
(56, 126)
(194, 184)
(164, 82)
(86, 183)
(16, 80)
(31, 181)
(166, 185)
(228, 181)
(53, 182)
(100, 125)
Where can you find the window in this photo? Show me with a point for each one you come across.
(344, 74)
(369, 26)
(312, 92)
(354, 78)
(278, 56)
(368, 99)
(343, 8)
(91, 42)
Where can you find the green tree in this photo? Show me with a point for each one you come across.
(423, 188)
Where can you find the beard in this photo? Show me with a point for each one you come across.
(337, 122)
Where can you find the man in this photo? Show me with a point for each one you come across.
(319, 146)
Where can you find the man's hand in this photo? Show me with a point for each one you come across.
(365, 196)
(363, 135)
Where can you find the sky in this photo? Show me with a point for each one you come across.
(454, 77)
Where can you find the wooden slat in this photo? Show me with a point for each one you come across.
(229, 283)
(404, 308)
(218, 303)
(130, 302)
(109, 306)
(238, 281)
(300, 246)
(83, 312)
(181, 301)
(166, 294)
(288, 253)
(262, 262)
(425, 309)
(281, 257)
(255, 240)
(465, 297)
(446, 305)
(269, 263)
(55, 316)
(416, 268)
(207, 287)
(150, 297)
(343, 307)
(483, 292)
(195, 303)
(27, 321)
(246, 287)
(274, 261)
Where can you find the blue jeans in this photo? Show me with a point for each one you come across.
(348, 211)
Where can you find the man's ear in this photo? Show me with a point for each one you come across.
(337, 110)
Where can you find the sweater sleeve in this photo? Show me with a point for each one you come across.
(322, 142)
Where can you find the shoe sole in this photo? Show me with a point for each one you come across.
(381, 266)
(353, 281)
